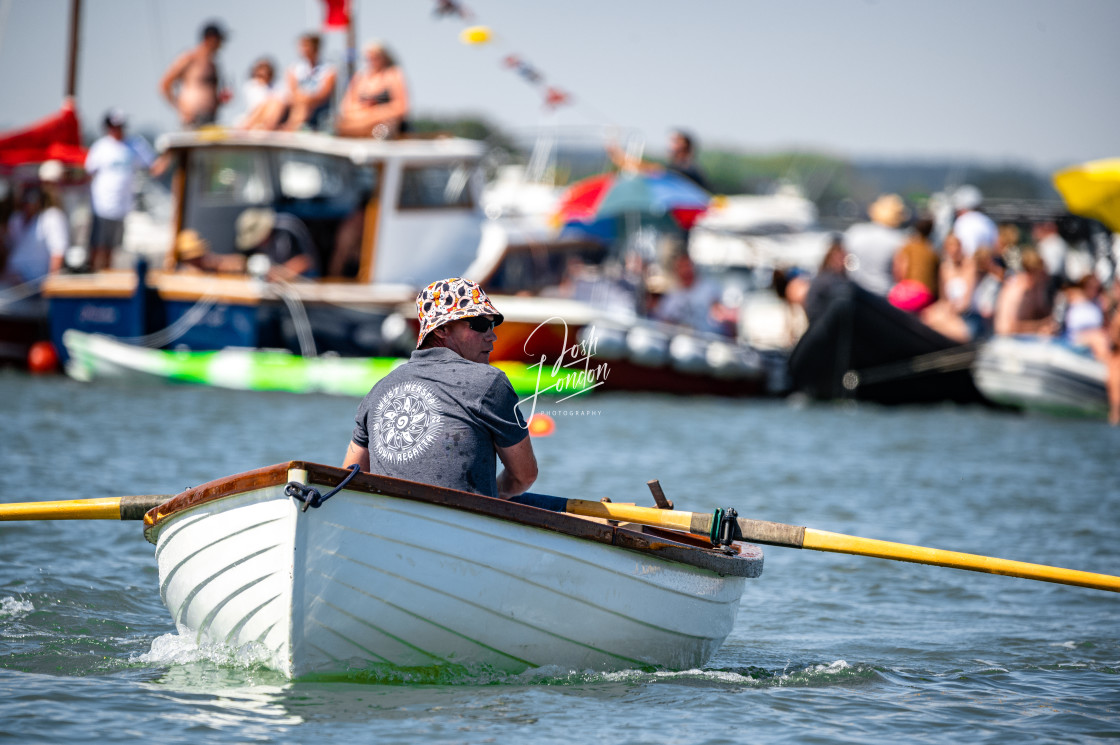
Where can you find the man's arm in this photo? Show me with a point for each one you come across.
(520, 468)
(172, 76)
(359, 454)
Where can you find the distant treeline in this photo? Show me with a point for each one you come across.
(837, 185)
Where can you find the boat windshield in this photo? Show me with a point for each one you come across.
(436, 186)
(327, 193)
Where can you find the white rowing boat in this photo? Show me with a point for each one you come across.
(390, 572)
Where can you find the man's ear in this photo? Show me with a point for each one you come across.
(440, 332)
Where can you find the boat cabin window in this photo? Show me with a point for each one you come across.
(436, 186)
(327, 193)
(229, 177)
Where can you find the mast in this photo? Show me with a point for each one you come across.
(351, 40)
(72, 49)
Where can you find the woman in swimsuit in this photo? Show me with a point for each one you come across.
(957, 281)
(376, 101)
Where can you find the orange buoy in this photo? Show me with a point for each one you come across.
(541, 425)
(42, 358)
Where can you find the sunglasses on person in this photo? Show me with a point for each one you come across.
(481, 324)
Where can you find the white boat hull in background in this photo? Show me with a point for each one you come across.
(1040, 374)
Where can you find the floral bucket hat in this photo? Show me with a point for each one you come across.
(449, 300)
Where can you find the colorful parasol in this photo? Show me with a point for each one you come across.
(1092, 190)
(647, 193)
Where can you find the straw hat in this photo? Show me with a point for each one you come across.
(889, 210)
(253, 226)
(447, 300)
(190, 245)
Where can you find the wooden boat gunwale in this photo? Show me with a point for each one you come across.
(691, 550)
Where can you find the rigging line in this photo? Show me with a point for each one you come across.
(5, 8)
(945, 360)
(155, 37)
(11, 295)
(168, 334)
(300, 321)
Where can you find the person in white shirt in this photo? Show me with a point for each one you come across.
(871, 245)
(266, 101)
(973, 228)
(39, 235)
(113, 162)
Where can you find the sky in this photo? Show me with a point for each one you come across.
(1026, 82)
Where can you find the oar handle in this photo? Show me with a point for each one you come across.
(105, 508)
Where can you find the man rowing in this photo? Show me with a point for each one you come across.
(443, 416)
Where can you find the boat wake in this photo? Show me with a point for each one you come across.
(179, 649)
(838, 672)
(10, 606)
(182, 650)
(738, 677)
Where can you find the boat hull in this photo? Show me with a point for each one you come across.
(1041, 375)
(862, 347)
(369, 580)
(96, 357)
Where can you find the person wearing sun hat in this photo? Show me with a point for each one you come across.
(871, 245)
(446, 416)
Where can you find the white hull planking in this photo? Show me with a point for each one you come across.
(1041, 375)
(367, 580)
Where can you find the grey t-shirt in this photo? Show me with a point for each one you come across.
(437, 419)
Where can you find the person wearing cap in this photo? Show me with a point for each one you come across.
(192, 84)
(112, 163)
(872, 245)
(283, 238)
(446, 416)
(973, 228)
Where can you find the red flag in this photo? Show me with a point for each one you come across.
(338, 14)
(554, 97)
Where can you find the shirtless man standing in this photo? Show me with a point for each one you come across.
(192, 84)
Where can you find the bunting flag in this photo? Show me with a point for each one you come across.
(337, 14)
(477, 35)
(451, 8)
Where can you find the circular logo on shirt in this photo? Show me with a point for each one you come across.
(407, 422)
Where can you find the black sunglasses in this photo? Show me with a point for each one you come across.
(481, 324)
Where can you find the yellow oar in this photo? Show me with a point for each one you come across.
(777, 534)
(105, 508)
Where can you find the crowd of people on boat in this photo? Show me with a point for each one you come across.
(37, 229)
(975, 279)
(375, 102)
(37, 217)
